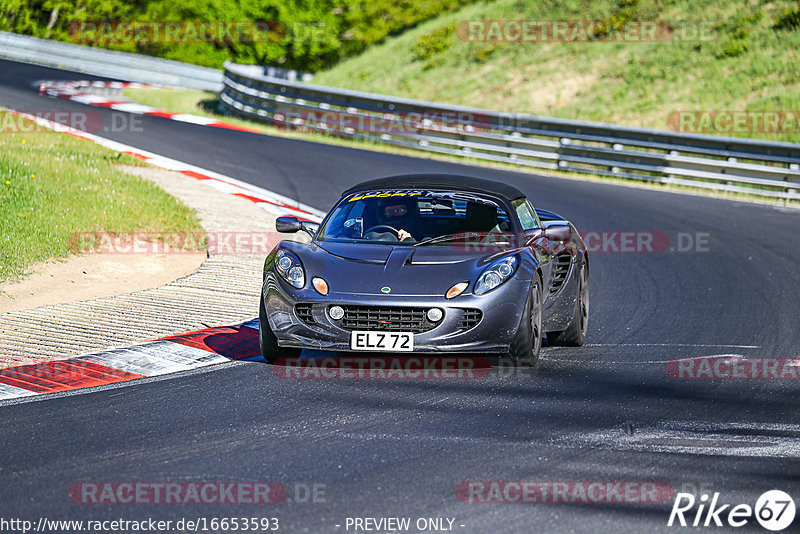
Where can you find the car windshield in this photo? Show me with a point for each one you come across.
(436, 218)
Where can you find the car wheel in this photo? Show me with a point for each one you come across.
(575, 334)
(267, 340)
(528, 342)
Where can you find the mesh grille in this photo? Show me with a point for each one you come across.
(470, 318)
(303, 311)
(385, 318)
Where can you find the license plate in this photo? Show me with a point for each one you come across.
(388, 341)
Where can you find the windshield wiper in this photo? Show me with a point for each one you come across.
(440, 239)
(501, 238)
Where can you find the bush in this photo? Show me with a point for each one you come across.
(314, 34)
(737, 29)
(732, 48)
(484, 53)
(788, 20)
(430, 44)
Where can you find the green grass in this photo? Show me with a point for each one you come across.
(54, 185)
(744, 64)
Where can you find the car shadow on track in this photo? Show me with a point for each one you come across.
(241, 343)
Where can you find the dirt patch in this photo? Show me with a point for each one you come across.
(150, 295)
(93, 276)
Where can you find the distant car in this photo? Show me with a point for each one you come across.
(427, 263)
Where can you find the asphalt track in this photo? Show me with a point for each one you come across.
(400, 448)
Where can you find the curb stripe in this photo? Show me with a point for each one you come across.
(62, 376)
(163, 114)
(155, 358)
(229, 126)
(69, 91)
(108, 104)
(172, 354)
(11, 392)
(234, 342)
(44, 85)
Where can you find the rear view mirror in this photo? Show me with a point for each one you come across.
(558, 232)
(309, 227)
(532, 236)
(354, 227)
(288, 224)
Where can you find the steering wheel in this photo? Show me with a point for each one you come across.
(395, 230)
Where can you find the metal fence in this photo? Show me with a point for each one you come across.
(108, 63)
(755, 167)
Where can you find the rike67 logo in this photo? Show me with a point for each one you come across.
(774, 511)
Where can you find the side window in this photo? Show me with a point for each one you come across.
(527, 217)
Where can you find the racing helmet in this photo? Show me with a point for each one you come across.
(398, 212)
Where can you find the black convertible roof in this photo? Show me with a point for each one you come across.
(439, 181)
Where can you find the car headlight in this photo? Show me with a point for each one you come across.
(496, 274)
(289, 267)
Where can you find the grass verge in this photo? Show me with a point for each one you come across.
(53, 186)
(721, 55)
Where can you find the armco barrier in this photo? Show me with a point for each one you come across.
(272, 95)
(761, 168)
(108, 63)
(123, 65)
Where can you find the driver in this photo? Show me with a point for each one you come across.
(394, 214)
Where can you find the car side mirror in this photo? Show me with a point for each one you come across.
(558, 232)
(288, 224)
(311, 228)
(531, 237)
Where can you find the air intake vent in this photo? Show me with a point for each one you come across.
(385, 318)
(470, 318)
(304, 312)
(560, 272)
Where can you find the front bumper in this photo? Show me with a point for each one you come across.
(502, 311)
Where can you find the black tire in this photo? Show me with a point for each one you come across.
(575, 334)
(268, 342)
(527, 344)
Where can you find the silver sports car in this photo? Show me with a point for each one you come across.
(427, 263)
